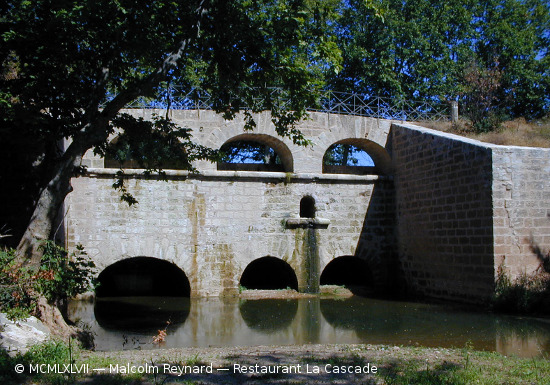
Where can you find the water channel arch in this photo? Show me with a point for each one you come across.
(349, 271)
(269, 273)
(143, 276)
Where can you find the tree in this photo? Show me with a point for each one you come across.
(69, 67)
(480, 96)
(421, 49)
(516, 34)
(409, 49)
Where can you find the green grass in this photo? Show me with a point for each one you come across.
(475, 368)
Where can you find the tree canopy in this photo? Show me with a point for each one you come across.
(427, 49)
(69, 67)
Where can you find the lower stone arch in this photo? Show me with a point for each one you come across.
(269, 273)
(352, 272)
(143, 276)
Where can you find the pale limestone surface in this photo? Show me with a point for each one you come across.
(444, 213)
(19, 336)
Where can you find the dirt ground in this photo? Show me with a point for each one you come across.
(307, 364)
(326, 291)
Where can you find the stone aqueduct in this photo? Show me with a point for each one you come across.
(438, 214)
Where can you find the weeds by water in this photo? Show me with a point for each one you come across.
(528, 293)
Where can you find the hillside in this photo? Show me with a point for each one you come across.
(516, 132)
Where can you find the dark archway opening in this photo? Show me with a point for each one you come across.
(307, 207)
(269, 273)
(155, 152)
(143, 276)
(351, 272)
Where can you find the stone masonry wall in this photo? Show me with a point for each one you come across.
(444, 213)
(213, 224)
(464, 208)
(453, 212)
(521, 201)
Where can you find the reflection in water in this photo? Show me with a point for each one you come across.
(268, 315)
(231, 322)
(409, 323)
(140, 313)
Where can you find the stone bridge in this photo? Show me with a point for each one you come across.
(436, 214)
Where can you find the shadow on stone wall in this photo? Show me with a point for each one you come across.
(377, 242)
(444, 213)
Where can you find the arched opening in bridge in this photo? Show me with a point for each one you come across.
(269, 273)
(307, 207)
(351, 272)
(143, 276)
(152, 153)
(356, 156)
(255, 152)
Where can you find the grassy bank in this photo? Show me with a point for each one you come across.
(311, 364)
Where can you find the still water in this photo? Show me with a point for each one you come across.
(131, 322)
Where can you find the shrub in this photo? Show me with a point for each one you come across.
(61, 276)
(525, 294)
(480, 96)
(16, 289)
(58, 277)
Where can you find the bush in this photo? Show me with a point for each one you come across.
(17, 297)
(480, 96)
(525, 294)
(61, 276)
(58, 277)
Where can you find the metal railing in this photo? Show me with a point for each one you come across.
(330, 102)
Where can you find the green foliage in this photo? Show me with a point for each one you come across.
(480, 101)
(423, 49)
(69, 58)
(7, 374)
(249, 152)
(58, 277)
(48, 353)
(346, 155)
(16, 289)
(61, 276)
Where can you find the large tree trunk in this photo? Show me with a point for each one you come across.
(49, 203)
(29, 251)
